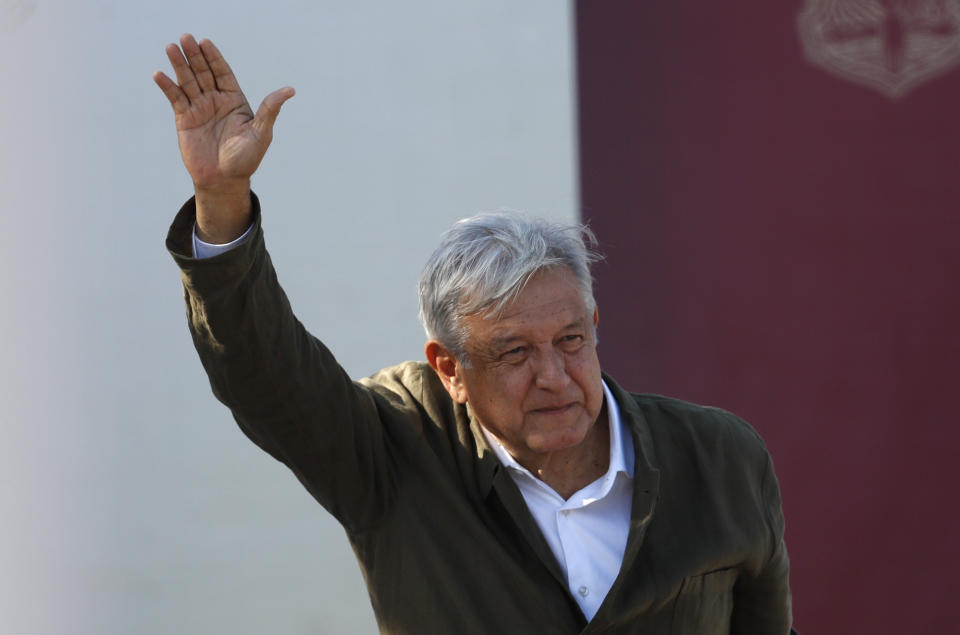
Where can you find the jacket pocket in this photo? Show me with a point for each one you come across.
(704, 604)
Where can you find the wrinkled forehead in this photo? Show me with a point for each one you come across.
(549, 301)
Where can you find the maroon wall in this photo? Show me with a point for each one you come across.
(782, 242)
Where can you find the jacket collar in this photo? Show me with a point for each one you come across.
(646, 476)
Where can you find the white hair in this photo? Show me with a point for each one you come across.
(484, 261)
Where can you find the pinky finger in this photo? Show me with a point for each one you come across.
(176, 96)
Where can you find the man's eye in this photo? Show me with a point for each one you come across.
(571, 342)
(514, 353)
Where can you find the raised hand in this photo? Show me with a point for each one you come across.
(221, 140)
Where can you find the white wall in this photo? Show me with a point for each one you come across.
(129, 501)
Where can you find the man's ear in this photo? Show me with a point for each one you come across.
(448, 368)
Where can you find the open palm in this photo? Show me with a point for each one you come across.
(221, 140)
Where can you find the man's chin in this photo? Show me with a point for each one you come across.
(559, 441)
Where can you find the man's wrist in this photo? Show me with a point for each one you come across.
(223, 211)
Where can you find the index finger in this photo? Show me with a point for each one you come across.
(222, 73)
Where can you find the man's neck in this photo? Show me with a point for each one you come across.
(570, 470)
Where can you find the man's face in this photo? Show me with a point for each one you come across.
(534, 376)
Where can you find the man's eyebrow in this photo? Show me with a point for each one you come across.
(578, 323)
(505, 340)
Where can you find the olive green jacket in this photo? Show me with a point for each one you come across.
(442, 534)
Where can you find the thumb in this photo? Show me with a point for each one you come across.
(270, 108)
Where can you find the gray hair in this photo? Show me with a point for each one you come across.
(484, 261)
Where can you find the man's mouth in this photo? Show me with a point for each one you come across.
(557, 409)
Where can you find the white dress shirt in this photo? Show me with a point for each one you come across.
(209, 250)
(587, 532)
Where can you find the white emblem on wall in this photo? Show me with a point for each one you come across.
(888, 45)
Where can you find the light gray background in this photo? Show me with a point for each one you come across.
(129, 500)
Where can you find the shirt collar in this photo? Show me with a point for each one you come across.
(621, 454)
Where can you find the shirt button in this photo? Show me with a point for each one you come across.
(583, 591)
(565, 512)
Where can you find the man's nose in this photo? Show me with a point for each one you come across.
(551, 370)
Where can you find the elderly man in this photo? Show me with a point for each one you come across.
(506, 485)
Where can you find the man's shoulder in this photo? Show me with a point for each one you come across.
(671, 412)
(405, 377)
(412, 385)
(674, 427)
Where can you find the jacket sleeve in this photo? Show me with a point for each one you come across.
(762, 600)
(284, 388)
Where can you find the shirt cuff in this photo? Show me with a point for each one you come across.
(209, 250)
